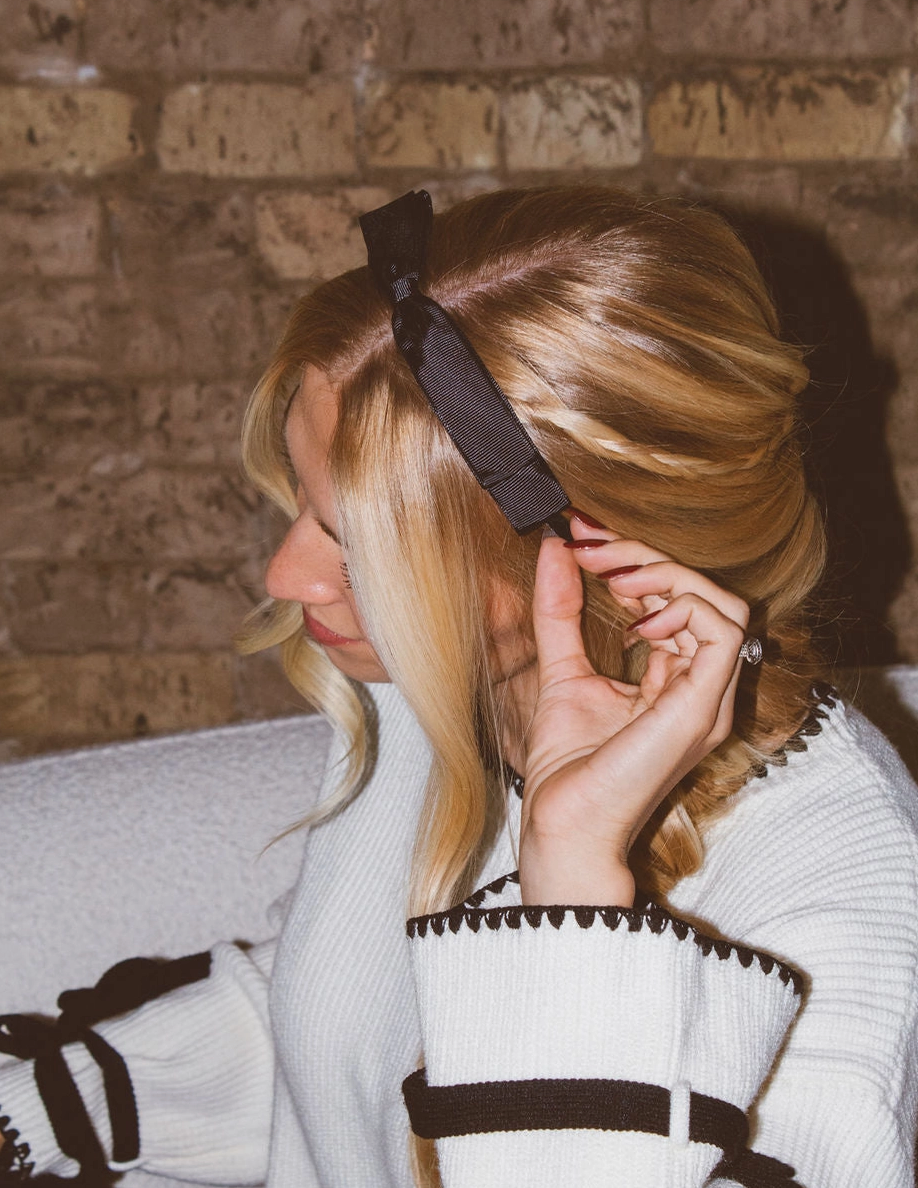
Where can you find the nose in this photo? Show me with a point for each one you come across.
(305, 567)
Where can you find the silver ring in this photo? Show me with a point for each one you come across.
(751, 651)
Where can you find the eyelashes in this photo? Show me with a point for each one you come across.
(345, 575)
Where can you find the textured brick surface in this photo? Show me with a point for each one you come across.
(60, 606)
(168, 230)
(785, 28)
(444, 35)
(783, 115)
(198, 423)
(125, 514)
(64, 425)
(890, 299)
(872, 223)
(71, 130)
(570, 123)
(173, 176)
(201, 35)
(432, 125)
(50, 330)
(258, 130)
(49, 234)
(262, 690)
(97, 696)
(41, 38)
(199, 606)
(306, 235)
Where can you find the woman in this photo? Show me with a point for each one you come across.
(625, 386)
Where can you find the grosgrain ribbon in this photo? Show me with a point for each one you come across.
(462, 392)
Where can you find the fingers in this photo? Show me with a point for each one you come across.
(556, 607)
(707, 668)
(651, 576)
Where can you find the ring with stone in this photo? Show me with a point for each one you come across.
(751, 651)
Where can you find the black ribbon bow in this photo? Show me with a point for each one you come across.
(462, 392)
(124, 987)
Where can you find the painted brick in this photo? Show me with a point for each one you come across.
(81, 330)
(65, 425)
(575, 122)
(444, 35)
(258, 130)
(903, 618)
(782, 28)
(772, 114)
(873, 223)
(71, 130)
(61, 606)
(67, 700)
(312, 235)
(199, 35)
(117, 516)
(214, 333)
(50, 330)
(194, 424)
(41, 39)
(199, 606)
(890, 297)
(733, 185)
(262, 689)
(49, 234)
(432, 125)
(168, 230)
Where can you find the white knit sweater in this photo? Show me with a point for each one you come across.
(814, 871)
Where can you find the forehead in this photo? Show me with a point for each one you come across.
(310, 421)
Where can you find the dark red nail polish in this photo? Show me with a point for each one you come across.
(584, 518)
(619, 572)
(641, 620)
(584, 544)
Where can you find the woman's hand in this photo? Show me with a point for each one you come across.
(603, 754)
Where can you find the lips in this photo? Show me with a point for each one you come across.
(324, 635)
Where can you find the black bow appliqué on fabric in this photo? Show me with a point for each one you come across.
(462, 392)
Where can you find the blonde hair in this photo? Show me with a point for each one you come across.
(636, 341)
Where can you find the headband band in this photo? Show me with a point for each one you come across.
(461, 391)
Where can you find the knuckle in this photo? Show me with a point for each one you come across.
(739, 610)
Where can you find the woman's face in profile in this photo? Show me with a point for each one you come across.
(309, 566)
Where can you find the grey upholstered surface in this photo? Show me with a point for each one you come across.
(151, 847)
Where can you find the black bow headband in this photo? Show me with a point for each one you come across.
(462, 392)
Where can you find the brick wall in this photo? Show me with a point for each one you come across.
(173, 174)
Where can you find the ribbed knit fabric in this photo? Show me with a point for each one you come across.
(816, 865)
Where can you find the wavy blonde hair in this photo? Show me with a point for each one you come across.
(636, 341)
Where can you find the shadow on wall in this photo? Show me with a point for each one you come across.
(845, 408)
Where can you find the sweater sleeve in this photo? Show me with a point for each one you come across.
(569, 1045)
(200, 1060)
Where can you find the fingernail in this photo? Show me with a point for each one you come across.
(589, 520)
(642, 619)
(585, 544)
(619, 572)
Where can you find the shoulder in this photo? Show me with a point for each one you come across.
(833, 831)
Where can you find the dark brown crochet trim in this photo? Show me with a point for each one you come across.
(648, 915)
(15, 1165)
(825, 698)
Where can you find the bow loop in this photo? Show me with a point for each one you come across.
(397, 236)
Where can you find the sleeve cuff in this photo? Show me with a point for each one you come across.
(511, 994)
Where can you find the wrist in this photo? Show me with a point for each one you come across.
(576, 881)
